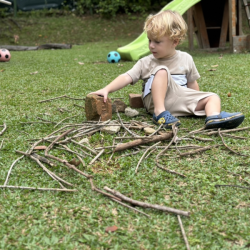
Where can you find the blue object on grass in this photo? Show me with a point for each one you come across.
(113, 57)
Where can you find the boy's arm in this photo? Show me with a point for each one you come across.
(120, 82)
(193, 85)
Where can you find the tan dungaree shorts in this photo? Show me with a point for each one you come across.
(179, 101)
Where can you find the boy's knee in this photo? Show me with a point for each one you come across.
(162, 73)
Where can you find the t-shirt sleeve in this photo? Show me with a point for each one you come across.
(135, 72)
(193, 73)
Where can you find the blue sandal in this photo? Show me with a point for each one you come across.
(166, 119)
(224, 120)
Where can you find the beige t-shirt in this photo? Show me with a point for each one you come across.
(181, 67)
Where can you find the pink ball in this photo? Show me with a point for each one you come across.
(4, 55)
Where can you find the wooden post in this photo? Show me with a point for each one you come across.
(232, 22)
(224, 26)
(201, 25)
(239, 23)
(190, 29)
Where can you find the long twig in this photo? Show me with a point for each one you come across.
(94, 188)
(146, 205)
(38, 159)
(229, 130)
(41, 189)
(12, 165)
(1, 144)
(47, 100)
(83, 146)
(125, 205)
(219, 132)
(152, 147)
(175, 130)
(234, 136)
(195, 152)
(183, 232)
(64, 120)
(232, 186)
(130, 132)
(4, 128)
(156, 130)
(99, 154)
(60, 160)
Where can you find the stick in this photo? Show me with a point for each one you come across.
(183, 232)
(99, 154)
(79, 106)
(1, 144)
(90, 149)
(146, 205)
(152, 147)
(219, 132)
(4, 128)
(60, 160)
(233, 136)
(170, 171)
(130, 132)
(232, 186)
(192, 152)
(39, 158)
(42, 189)
(175, 130)
(46, 170)
(201, 139)
(101, 192)
(12, 165)
(125, 205)
(47, 100)
(64, 120)
(156, 130)
(229, 130)
(137, 142)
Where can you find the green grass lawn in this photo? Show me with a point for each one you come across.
(56, 220)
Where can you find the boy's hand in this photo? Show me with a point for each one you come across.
(101, 92)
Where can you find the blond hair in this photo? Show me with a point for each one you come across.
(169, 23)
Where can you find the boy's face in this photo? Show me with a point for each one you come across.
(163, 47)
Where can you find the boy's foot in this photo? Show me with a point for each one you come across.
(166, 119)
(224, 120)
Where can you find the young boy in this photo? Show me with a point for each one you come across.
(170, 88)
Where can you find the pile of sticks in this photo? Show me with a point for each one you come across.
(70, 134)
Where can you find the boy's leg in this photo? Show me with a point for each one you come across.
(215, 118)
(158, 91)
(210, 104)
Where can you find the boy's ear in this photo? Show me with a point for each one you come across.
(176, 42)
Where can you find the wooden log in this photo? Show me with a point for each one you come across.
(137, 142)
(18, 48)
(55, 46)
(44, 46)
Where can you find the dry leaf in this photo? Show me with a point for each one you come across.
(81, 63)
(33, 73)
(229, 94)
(214, 66)
(2, 70)
(111, 229)
(40, 147)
